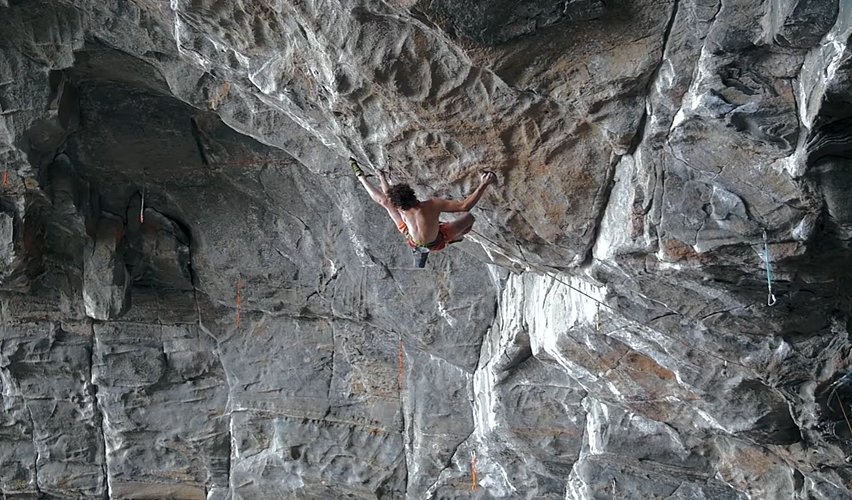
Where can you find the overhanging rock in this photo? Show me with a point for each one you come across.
(603, 331)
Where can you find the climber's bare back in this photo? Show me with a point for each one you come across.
(422, 221)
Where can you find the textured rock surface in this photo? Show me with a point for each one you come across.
(199, 301)
(106, 282)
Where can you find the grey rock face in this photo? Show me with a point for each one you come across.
(52, 438)
(162, 392)
(7, 236)
(199, 300)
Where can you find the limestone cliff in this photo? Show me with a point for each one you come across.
(200, 301)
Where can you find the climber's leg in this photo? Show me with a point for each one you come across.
(459, 227)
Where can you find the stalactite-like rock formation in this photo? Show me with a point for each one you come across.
(199, 301)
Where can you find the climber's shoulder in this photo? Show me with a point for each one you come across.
(443, 205)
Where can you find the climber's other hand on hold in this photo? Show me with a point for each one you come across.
(383, 180)
(486, 178)
(356, 169)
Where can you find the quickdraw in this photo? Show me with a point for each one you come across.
(142, 208)
(770, 299)
(598, 318)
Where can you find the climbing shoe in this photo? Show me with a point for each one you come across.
(356, 168)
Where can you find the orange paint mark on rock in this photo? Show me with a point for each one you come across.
(473, 482)
(677, 250)
(645, 364)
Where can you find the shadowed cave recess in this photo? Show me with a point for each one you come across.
(199, 300)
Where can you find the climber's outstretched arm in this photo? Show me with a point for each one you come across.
(486, 178)
(378, 196)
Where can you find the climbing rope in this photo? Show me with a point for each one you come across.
(770, 299)
(546, 272)
(627, 322)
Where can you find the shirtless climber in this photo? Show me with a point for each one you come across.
(418, 220)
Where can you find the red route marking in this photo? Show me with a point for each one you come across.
(6, 177)
(473, 483)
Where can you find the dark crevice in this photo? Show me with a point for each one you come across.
(664, 315)
(35, 448)
(600, 210)
(100, 415)
(330, 391)
(643, 121)
(448, 464)
(196, 134)
(517, 358)
(405, 465)
(193, 277)
(333, 277)
(584, 438)
(230, 465)
(640, 129)
(385, 488)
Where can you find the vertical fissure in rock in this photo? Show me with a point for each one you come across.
(330, 390)
(482, 365)
(405, 466)
(35, 448)
(96, 405)
(666, 35)
(231, 447)
(640, 130)
(600, 209)
(193, 280)
(228, 410)
(217, 350)
(196, 135)
(639, 136)
(585, 437)
(407, 440)
(799, 107)
(448, 464)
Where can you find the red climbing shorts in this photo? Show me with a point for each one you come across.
(440, 242)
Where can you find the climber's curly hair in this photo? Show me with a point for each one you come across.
(402, 196)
